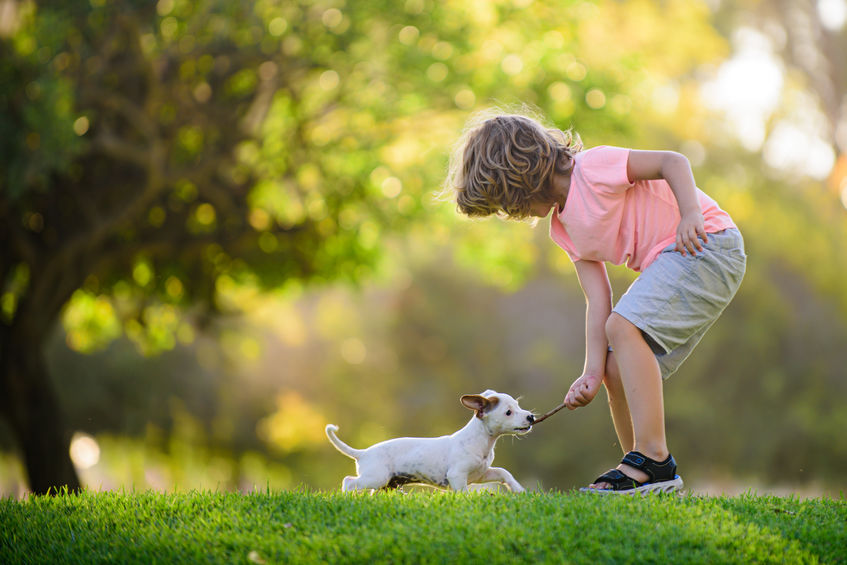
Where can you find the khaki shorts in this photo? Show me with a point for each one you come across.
(678, 297)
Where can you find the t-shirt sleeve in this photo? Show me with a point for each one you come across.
(604, 167)
(564, 241)
(560, 236)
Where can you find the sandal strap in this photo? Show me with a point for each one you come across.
(618, 480)
(656, 470)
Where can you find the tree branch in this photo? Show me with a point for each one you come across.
(108, 144)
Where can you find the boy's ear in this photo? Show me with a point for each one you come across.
(479, 403)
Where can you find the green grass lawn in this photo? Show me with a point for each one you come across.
(421, 527)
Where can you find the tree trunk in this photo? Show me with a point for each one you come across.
(31, 408)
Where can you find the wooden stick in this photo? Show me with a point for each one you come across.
(548, 414)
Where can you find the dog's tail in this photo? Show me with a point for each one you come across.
(340, 445)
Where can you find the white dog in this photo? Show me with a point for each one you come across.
(455, 460)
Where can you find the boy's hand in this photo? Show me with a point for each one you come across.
(582, 391)
(691, 228)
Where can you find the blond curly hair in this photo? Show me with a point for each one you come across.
(503, 163)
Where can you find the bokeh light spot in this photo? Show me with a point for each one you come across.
(84, 451)
(512, 64)
(353, 351)
(595, 99)
(81, 125)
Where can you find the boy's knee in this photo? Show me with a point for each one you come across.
(619, 328)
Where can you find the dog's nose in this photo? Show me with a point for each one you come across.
(530, 418)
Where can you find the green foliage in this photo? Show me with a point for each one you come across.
(37, 113)
(289, 527)
(280, 141)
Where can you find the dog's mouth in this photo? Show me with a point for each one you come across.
(524, 429)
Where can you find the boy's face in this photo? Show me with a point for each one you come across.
(540, 209)
(559, 188)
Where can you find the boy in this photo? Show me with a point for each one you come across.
(613, 204)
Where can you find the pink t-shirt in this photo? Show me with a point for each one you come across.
(608, 218)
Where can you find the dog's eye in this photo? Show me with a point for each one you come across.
(508, 412)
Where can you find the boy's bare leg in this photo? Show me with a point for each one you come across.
(618, 405)
(642, 385)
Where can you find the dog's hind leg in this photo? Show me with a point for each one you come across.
(349, 483)
(364, 482)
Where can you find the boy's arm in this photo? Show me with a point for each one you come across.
(676, 170)
(598, 307)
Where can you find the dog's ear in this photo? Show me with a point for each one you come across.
(479, 403)
(474, 401)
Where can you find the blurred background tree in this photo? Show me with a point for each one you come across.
(184, 183)
(157, 154)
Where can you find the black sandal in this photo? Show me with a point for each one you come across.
(662, 476)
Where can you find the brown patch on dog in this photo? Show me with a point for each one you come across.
(479, 403)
